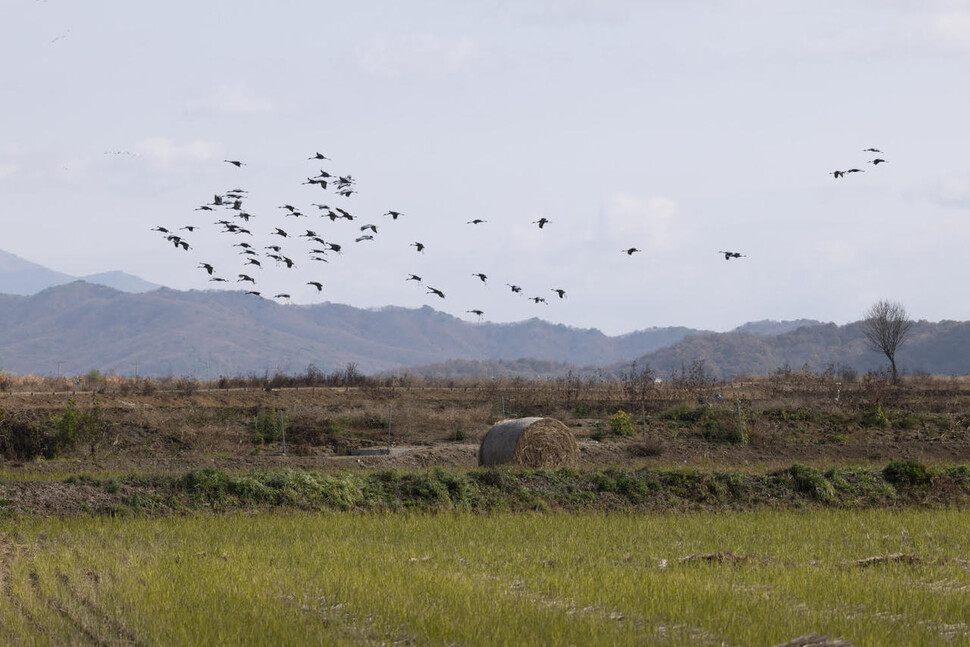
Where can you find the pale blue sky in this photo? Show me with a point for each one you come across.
(680, 128)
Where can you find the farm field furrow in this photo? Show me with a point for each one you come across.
(871, 577)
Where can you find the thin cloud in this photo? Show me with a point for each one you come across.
(952, 28)
(415, 55)
(644, 222)
(231, 100)
(165, 152)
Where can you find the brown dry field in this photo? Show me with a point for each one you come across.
(788, 419)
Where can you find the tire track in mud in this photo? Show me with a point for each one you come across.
(336, 616)
(9, 552)
(115, 627)
(650, 630)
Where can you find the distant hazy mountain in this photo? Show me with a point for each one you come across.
(121, 281)
(19, 276)
(770, 327)
(80, 326)
(939, 348)
(211, 333)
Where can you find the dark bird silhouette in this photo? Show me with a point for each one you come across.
(253, 261)
(319, 258)
(288, 262)
(363, 238)
(877, 161)
(420, 246)
(281, 296)
(729, 255)
(279, 232)
(476, 312)
(854, 170)
(248, 252)
(393, 214)
(208, 268)
(309, 234)
(313, 180)
(346, 192)
(318, 156)
(216, 278)
(413, 277)
(560, 292)
(334, 247)
(481, 276)
(246, 277)
(630, 251)
(344, 214)
(188, 228)
(177, 241)
(538, 300)
(204, 207)
(373, 228)
(161, 229)
(244, 245)
(235, 163)
(436, 291)
(476, 221)
(317, 284)
(253, 292)
(515, 288)
(871, 150)
(275, 248)
(837, 174)
(542, 222)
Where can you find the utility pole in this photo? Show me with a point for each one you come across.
(283, 431)
(388, 430)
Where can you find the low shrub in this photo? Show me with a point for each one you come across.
(907, 472)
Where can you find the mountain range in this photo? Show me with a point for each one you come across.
(20, 276)
(74, 327)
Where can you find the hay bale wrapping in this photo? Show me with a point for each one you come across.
(528, 442)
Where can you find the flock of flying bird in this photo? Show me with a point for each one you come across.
(235, 223)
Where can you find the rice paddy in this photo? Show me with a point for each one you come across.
(872, 577)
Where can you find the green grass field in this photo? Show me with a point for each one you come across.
(737, 578)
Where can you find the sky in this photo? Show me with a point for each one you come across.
(682, 129)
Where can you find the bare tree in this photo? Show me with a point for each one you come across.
(886, 326)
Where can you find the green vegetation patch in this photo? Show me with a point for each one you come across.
(905, 482)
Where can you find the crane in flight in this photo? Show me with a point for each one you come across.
(560, 292)
(413, 277)
(729, 255)
(435, 291)
(515, 288)
(542, 222)
(235, 163)
(419, 246)
(481, 276)
(317, 284)
(631, 251)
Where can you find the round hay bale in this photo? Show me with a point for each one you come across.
(528, 442)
